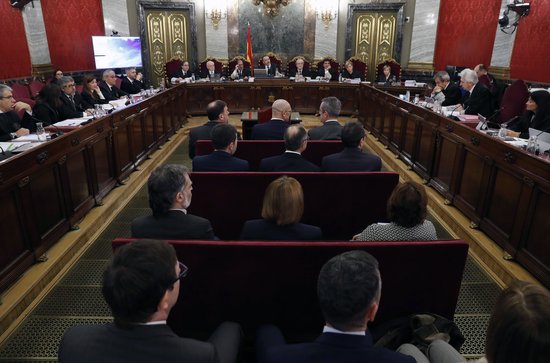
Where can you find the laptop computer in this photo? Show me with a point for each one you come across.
(543, 138)
(260, 73)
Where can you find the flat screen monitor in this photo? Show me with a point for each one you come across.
(117, 52)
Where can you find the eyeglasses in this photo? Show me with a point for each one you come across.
(183, 272)
(7, 97)
(70, 85)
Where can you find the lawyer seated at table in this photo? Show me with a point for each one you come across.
(91, 93)
(479, 100)
(386, 77)
(536, 115)
(48, 104)
(445, 91)
(10, 123)
(71, 101)
(282, 210)
(349, 73)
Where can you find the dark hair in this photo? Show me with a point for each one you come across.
(348, 285)
(294, 136)
(163, 185)
(407, 204)
(542, 99)
(49, 94)
(519, 328)
(214, 109)
(352, 133)
(86, 80)
(222, 135)
(331, 105)
(137, 278)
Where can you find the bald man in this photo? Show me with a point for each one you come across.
(275, 128)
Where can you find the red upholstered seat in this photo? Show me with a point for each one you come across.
(484, 80)
(274, 60)
(79, 88)
(118, 82)
(291, 66)
(233, 63)
(264, 115)
(333, 63)
(35, 87)
(395, 68)
(20, 91)
(27, 101)
(171, 67)
(360, 66)
(513, 101)
(218, 66)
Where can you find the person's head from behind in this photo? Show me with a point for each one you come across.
(224, 137)
(49, 94)
(141, 283)
(480, 70)
(348, 289)
(353, 134)
(329, 109)
(407, 204)
(281, 110)
(283, 201)
(169, 187)
(539, 102)
(217, 111)
(295, 138)
(519, 328)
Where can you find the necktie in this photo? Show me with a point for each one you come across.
(71, 98)
(300, 72)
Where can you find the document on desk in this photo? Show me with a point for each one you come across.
(118, 103)
(72, 121)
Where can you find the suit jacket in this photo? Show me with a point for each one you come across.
(131, 87)
(527, 121)
(45, 113)
(480, 101)
(452, 95)
(288, 161)
(179, 74)
(69, 109)
(387, 81)
(335, 348)
(351, 159)
(274, 129)
(355, 74)
(305, 73)
(10, 122)
(244, 73)
(111, 93)
(142, 344)
(200, 133)
(332, 71)
(174, 225)
(331, 130)
(272, 71)
(89, 100)
(219, 161)
(261, 229)
(206, 74)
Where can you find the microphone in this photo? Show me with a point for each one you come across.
(543, 131)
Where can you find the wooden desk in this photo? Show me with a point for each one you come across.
(250, 118)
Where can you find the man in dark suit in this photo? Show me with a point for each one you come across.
(291, 159)
(141, 285)
(352, 158)
(10, 123)
(480, 100)
(271, 69)
(210, 73)
(444, 91)
(108, 86)
(348, 288)
(217, 112)
(224, 138)
(329, 110)
(300, 73)
(71, 101)
(327, 72)
(240, 73)
(182, 74)
(169, 188)
(275, 128)
(132, 83)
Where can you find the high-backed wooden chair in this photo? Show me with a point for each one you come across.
(233, 63)
(274, 60)
(35, 86)
(264, 114)
(171, 67)
(395, 68)
(20, 91)
(513, 101)
(360, 66)
(333, 63)
(484, 80)
(218, 66)
(291, 66)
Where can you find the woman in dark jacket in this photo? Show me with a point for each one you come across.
(91, 94)
(48, 102)
(536, 115)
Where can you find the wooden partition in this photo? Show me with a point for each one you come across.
(48, 189)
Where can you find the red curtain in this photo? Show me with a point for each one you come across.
(15, 60)
(69, 27)
(532, 45)
(466, 32)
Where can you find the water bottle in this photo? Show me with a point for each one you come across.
(503, 132)
(416, 99)
(408, 96)
(532, 145)
(340, 78)
(40, 132)
(193, 79)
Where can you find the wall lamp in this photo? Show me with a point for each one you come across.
(215, 16)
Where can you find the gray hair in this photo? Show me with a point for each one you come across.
(4, 88)
(64, 80)
(442, 75)
(107, 72)
(331, 105)
(468, 75)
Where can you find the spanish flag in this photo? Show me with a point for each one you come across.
(249, 56)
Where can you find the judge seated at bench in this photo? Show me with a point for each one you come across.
(479, 100)
(282, 210)
(240, 73)
(225, 139)
(386, 77)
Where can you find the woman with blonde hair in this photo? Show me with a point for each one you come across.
(282, 210)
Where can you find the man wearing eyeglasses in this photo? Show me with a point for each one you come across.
(10, 123)
(141, 286)
(71, 101)
(170, 193)
(108, 86)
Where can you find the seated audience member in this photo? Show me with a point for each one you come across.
(348, 73)
(217, 113)
(300, 73)
(329, 110)
(91, 93)
(386, 77)
(536, 115)
(240, 73)
(182, 74)
(327, 72)
(518, 331)
(282, 210)
(71, 101)
(141, 285)
(482, 71)
(352, 158)
(271, 69)
(349, 288)
(170, 192)
(494, 87)
(480, 100)
(56, 76)
(10, 123)
(445, 91)
(291, 159)
(210, 73)
(48, 104)
(132, 83)
(407, 214)
(224, 138)
(275, 128)
(108, 86)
